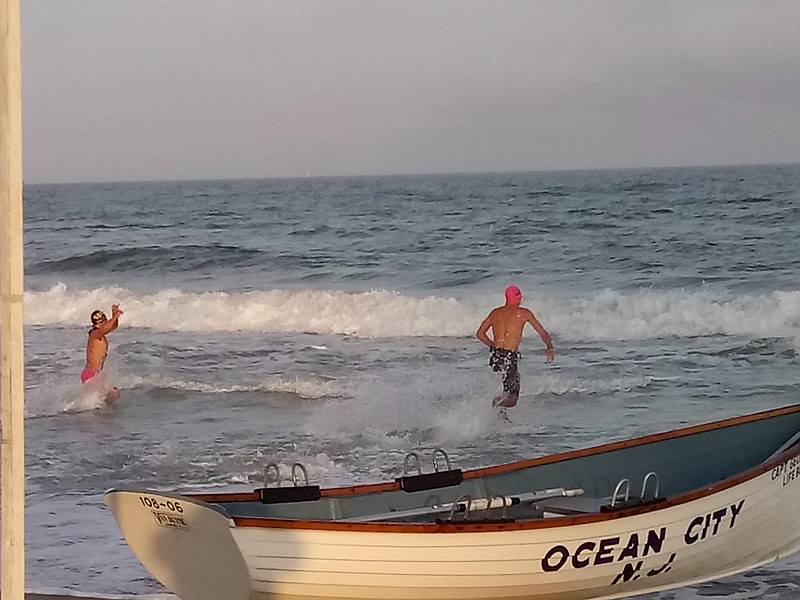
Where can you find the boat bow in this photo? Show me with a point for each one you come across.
(191, 550)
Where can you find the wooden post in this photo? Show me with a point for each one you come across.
(11, 313)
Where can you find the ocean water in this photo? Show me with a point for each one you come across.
(331, 322)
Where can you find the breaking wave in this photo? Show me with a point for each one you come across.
(607, 315)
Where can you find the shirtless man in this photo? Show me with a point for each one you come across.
(506, 323)
(97, 346)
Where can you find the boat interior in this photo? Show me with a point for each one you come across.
(611, 477)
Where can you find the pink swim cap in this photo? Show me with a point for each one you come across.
(513, 294)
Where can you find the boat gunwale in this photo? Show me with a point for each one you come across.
(562, 521)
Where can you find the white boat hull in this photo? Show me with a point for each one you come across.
(740, 527)
(715, 499)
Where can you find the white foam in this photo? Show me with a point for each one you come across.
(400, 412)
(608, 315)
(52, 396)
(305, 387)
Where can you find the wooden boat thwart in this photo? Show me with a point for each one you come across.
(624, 518)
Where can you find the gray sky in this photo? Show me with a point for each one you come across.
(124, 90)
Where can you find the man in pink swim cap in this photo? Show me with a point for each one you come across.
(97, 346)
(506, 323)
(513, 294)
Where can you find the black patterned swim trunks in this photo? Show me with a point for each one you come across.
(505, 362)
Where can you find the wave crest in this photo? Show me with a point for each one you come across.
(607, 315)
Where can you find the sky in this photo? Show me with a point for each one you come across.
(144, 90)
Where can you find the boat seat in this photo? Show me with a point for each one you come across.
(275, 495)
(630, 503)
(568, 506)
(430, 481)
(581, 505)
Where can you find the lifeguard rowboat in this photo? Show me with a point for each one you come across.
(625, 518)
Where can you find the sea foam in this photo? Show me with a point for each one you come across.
(605, 315)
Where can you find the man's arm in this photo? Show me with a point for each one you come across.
(483, 330)
(112, 323)
(548, 342)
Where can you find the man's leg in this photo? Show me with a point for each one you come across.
(511, 383)
(498, 364)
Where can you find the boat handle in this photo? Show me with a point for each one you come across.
(437, 452)
(505, 502)
(302, 468)
(466, 501)
(644, 484)
(406, 460)
(275, 466)
(617, 489)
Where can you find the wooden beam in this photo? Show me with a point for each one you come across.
(11, 305)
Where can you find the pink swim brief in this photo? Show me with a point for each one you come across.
(87, 374)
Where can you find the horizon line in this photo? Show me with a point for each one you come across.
(305, 174)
